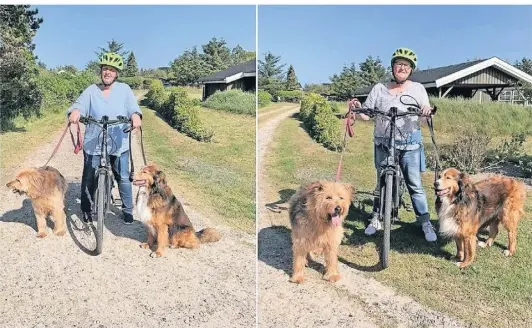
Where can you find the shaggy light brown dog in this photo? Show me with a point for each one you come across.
(164, 216)
(463, 208)
(317, 212)
(46, 189)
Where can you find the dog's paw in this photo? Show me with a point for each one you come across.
(60, 233)
(144, 245)
(507, 253)
(462, 265)
(41, 234)
(482, 244)
(297, 279)
(332, 278)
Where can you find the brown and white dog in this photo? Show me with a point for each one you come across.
(317, 212)
(164, 216)
(464, 207)
(46, 188)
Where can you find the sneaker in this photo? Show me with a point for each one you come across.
(374, 225)
(128, 218)
(428, 229)
(86, 217)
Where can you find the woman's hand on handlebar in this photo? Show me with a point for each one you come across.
(426, 110)
(135, 121)
(74, 116)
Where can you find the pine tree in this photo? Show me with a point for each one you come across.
(291, 80)
(131, 66)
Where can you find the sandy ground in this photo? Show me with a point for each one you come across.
(55, 282)
(355, 301)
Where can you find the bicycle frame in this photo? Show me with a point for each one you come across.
(391, 167)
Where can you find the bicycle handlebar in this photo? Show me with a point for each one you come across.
(105, 120)
(375, 111)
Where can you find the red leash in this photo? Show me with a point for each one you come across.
(349, 123)
(77, 145)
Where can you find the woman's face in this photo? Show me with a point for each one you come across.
(402, 69)
(109, 74)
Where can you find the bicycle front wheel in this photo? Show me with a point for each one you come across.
(101, 192)
(388, 197)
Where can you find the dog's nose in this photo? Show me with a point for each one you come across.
(337, 209)
(436, 183)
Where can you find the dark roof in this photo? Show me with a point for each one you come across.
(246, 67)
(431, 75)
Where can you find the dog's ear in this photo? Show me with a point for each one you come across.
(464, 184)
(350, 189)
(315, 186)
(35, 181)
(159, 183)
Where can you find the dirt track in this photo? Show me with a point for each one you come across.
(355, 301)
(54, 282)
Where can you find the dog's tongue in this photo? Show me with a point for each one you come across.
(441, 192)
(335, 220)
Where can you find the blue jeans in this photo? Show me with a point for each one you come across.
(120, 168)
(412, 163)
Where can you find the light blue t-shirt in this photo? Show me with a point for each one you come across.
(120, 101)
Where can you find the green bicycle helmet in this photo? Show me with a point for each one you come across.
(112, 59)
(407, 54)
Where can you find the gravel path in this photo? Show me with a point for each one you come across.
(354, 301)
(54, 282)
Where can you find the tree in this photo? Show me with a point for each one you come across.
(19, 94)
(372, 72)
(131, 66)
(189, 67)
(239, 55)
(526, 66)
(93, 66)
(270, 73)
(318, 88)
(71, 69)
(113, 46)
(345, 84)
(291, 80)
(216, 55)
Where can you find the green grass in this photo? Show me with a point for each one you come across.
(216, 178)
(495, 291)
(28, 136)
(194, 92)
(271, 111)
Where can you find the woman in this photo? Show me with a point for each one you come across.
(409, 143)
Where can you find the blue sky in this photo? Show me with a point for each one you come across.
(156, 34)
(319, 40)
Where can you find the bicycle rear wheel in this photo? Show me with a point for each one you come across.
(101, 204)
(388, 193)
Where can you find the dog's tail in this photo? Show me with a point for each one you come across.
(208, 235)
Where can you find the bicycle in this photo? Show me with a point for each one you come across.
(104, 174)
(389, 187)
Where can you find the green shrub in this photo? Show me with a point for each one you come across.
(289, 96)
(178, 110)
(234, 101)
(156, 96)
(265, 98)
(146, 84)
(186, 117)
(320, 121)
(59, 90)
(134, 82)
